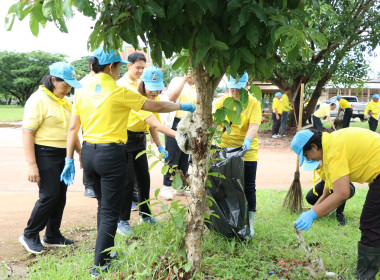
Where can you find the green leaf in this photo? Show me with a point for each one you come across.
(9, 21)
(177, 181)
(243, 97)
(235, 26)
(213, 7)
(156, 193)
(33, 24)
(220, 115)
(208, 184)
(202, 52)
(243, 16)
(318, 38)
(229, 103)
(153, 165)
(316, 5)
(247, 55)
(141, 153)
(119, 17)
(220, 46)
(238, 107)
(67, 8)
(165, 169)
(256, 91)
(154, 9)
(216, 174)
(233, 117)
(252, 33)
(235, 63)
(233, 4)
(138, 15)
(165, 207)
(47, 8)
(227, 127)
(215, 70)
(180, 62)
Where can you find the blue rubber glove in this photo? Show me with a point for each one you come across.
(163, 151)
(247, 143)
(68, 172)
(306, 219)
(190, 107)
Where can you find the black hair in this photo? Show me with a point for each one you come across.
(46, 81)
(90, 62)
(135, 56)
(287, 88)
(315, 139)
(96, 67)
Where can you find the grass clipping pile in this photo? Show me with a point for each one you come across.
(186, 130)
(315, 265)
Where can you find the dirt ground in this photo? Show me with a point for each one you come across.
(276, 166)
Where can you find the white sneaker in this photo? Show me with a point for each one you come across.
(166, 193)
(275, 136)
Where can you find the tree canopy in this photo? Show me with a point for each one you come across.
(351, 29)
(21, 73)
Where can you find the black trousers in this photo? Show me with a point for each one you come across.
(370, 217)
(311, 198)
(347, 117)
(276, 124)
(48, 209)
(373, 123)
(250, 168)
(137, 175)
(317, 123)
(176, 156)
(105, 166)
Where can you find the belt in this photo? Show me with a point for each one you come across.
(136, 133)
(103, 144)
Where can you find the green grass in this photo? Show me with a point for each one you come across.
(363, 124)
(11, 113)
(273, 250)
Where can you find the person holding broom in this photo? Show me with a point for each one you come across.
(342, 163)
(245, 135)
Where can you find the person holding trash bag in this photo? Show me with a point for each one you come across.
(102, 108)
(45, 126)
(139, 124)
(342, 163)
(245, 135)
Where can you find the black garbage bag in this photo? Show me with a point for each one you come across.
(231, 205)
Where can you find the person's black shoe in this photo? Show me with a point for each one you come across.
(89, 192)
(57, 242)
(32, 245)
(341, 219)
(98, 270)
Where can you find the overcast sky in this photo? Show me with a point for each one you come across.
(73, 44)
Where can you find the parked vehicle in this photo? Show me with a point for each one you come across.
(357, 107)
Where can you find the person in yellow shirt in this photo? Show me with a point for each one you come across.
(44, 132)
(286, 107)
(344, 162)
(373, 109)
(139, 124)
(245, 135)
(276, 115)
(343, 104)
(323, 112)
(131, 80)
(179, 90)
(103, 108)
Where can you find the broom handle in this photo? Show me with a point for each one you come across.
(300, 113)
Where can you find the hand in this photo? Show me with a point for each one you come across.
(163, 151)
(33, 173)
(190, 107)
(68, 172)
(306, 219)
(247, 143)
(277, 117)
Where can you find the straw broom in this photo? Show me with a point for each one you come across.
(293, 199)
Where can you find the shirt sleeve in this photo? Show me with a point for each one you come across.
(133, 100)
(143, 115)
(33, 114)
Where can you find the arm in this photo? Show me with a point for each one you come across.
(253, 128)
(326, 193)
(28, 142)
(341, 194)
(72, 137)
(176, 92)
(156, 126)
(276, 112)
(160, 106)
(331, 122)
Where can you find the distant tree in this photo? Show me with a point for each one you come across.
(351, 29)
(81, 66)
(169, 73)
(217, 36)
(21, 73)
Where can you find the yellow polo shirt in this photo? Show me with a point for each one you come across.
(136, 122)
(277, 104)
(343, 103)
(43, 114)
(188, 94)
(323, 111)
(126, 82)
(252, 114)
(374, 107)
(103, 108)
(285, 103)
(360, 161)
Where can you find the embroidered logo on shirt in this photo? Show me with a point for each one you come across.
(98, 89)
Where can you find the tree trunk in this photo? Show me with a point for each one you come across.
(201, 153)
